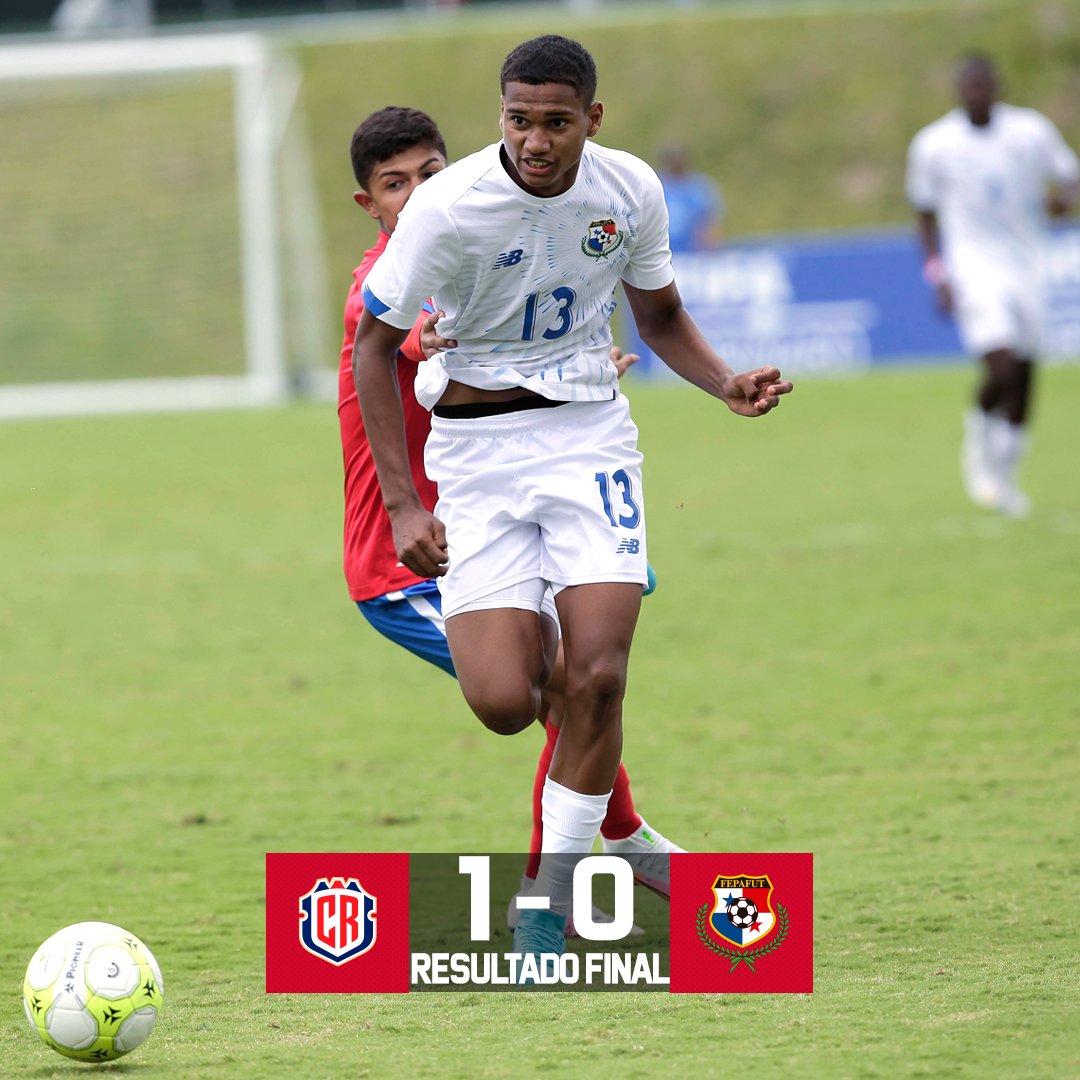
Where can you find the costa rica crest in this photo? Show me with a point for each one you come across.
(603, 238)
(337, 920)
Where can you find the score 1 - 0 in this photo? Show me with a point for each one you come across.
(478, 869)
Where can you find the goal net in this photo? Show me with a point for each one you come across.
(161, 245)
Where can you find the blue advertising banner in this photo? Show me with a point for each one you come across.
(843, 303)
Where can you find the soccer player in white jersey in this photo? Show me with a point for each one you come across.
(532, 445)
(983, 180)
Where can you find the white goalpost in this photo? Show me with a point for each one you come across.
(161, 246)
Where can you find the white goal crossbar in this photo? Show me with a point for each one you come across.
(259, 129)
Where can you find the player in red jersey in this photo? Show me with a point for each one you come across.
(393, 151)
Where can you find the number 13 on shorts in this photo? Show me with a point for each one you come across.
(629, 515)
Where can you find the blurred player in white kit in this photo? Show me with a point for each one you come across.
(983, 180)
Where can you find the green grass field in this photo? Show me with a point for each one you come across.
(842, 657)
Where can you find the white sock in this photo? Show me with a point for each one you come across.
(571, 824)
(975, 459)
(975, 425)
(1008, 443)
(976, 438)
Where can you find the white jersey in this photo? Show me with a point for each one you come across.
(988, 186)
(527, 283)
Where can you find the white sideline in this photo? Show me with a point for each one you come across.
(44, 400)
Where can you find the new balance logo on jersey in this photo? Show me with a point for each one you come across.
(628, 547)
(508, 258)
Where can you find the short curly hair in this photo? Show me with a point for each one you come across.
(388, 132)
(978, 61)
(551, 59)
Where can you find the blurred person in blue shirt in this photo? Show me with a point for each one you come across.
(695, 206)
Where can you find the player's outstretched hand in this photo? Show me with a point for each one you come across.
(753, 393)
(623, 361)
(431, 342)
(420, 541)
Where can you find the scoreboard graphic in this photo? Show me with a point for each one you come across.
(357, 923)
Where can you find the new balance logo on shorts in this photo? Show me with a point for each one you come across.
(628, 547)
(507, 258)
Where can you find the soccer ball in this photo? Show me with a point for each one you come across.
(93, 991)
(742, 913)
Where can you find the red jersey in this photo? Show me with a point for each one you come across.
(371, 563)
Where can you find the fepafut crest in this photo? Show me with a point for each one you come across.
(603, 238)
(742, 918)
(741, 915)
(337, 920)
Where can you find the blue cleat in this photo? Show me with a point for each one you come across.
(651, 587)
(539, 932)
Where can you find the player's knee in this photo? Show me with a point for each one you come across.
(503, 722)
(505, 710)
(600, 686)
(996, 387)
(1014, 397)
(1019, 380)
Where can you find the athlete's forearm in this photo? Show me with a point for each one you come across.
(374, 360)
(929, 235)
(669, 330)
(683, 347)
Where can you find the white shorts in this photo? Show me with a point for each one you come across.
(999, 315)
(543, 494)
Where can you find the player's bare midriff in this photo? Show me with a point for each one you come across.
(459, 394)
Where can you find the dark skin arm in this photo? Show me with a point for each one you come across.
(668, 329)
(930, 238)
(419, 536)
(1062, 199)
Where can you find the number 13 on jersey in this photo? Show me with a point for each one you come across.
(564, 315)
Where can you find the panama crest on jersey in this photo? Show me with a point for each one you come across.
(337, 920)
(603, 238)
(741, 914)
